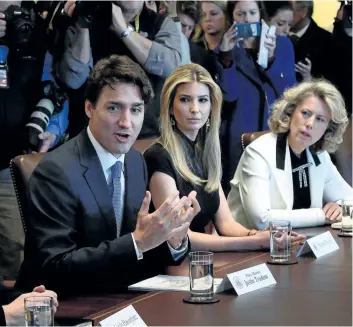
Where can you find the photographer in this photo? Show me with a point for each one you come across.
(341, 76)
(150, 39)
(172, 9)
(23, 34)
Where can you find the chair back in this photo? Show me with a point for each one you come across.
(21, 169)
(247, 138)
(143, 144)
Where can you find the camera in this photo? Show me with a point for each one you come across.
(93, 14)
(52, 101)
(20, 24)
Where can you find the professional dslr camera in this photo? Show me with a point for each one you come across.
(93, 14)
(52, 101)
(20, 24)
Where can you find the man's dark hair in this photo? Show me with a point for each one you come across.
(271, 8)
(191, 9)
(117, 69)
(300, 5)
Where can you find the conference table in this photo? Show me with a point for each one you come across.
(313, 292)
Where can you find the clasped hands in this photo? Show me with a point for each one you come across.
(170, 222)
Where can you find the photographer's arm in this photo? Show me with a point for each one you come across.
(80, 46)
(160, 56)
(76, 63)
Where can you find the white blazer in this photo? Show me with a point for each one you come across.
(262, 187)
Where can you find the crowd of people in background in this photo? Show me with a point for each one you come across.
(48, 89)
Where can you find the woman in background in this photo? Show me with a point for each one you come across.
(214, 23)
(189, 15)
(280, 14)
(288, 174)
(187, 157)
(250, 88)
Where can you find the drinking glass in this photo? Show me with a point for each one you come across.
(201, 275)
(39, 311)
(280, 241)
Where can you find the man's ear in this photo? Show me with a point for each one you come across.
(304, 12)
(88, 108)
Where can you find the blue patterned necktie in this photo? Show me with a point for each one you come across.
(115, 193)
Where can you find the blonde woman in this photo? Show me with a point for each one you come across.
(187, 157)
(288, 174)
(214, 23)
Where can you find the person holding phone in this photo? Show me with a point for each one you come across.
(248, 87)
(280, 14)
(309, 40)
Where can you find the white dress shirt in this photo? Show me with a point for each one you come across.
(108, 160)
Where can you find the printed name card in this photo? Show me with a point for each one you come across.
(126, 317)
(248, 280)
(320, 245)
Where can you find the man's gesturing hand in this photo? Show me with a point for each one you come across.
(155, 228)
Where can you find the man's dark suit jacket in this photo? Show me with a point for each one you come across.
(316, 43)
(71, 244)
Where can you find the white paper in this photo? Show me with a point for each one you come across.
(242, 281)
(251, 279)
(171, 283)
(263, 52)
(126, 317)
(320, 245)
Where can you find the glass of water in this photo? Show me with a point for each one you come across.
(347, 216)
(280, 241)
(201, 275)
(39, 311)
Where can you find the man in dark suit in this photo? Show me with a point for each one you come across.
(89, 228)
(310, 41)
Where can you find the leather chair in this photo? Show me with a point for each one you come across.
(247, 138)
(143, 144)
(21, 169)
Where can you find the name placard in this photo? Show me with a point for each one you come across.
(126, 317)
(320, 245)
(248, 280)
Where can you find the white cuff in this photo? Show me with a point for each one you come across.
(180, 251)
(139, 255)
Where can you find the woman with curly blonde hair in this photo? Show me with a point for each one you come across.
(187, 158)
(288, 174)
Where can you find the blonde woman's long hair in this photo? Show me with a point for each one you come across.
(207, 142)
(283, 109)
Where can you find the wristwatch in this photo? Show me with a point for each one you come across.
(126, 32)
